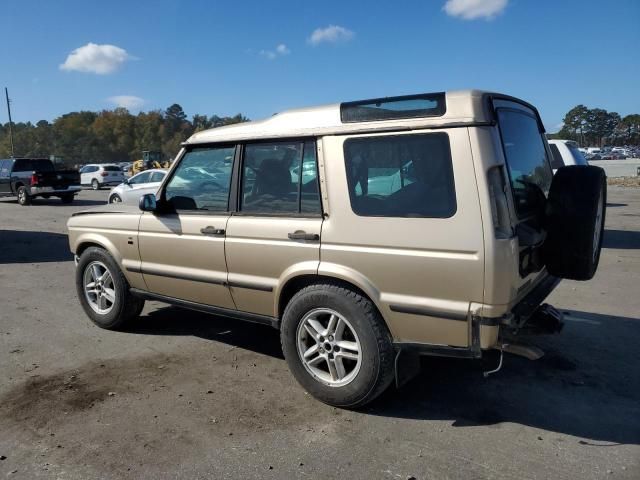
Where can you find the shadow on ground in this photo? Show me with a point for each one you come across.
(55, 202)
(586, 385)
(621, 239)
(18, 246)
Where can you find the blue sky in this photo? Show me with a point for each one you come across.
(259, 58)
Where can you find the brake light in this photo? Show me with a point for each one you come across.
(34, 179)
(104, 174)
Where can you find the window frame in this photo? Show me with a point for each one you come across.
(164, 205)
(521, 109)
(351, 188)
(238, 175)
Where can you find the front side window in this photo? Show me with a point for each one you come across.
(140, 178)
(202, 180)
(280, 178)
(526, 156)
(401, 176)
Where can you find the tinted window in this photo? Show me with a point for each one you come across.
(428, 105)
(401, 176)
(42, 165)
(201, 180)
(280, 178)
(22, 165)
(577, 154)
(111, 168)
(556, 159)
(156, 177)
(140, 178)
(526, 159)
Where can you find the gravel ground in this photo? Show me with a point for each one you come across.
(189, 395)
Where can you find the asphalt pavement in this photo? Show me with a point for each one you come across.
(189, 395)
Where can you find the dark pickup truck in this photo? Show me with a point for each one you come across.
(27, 178)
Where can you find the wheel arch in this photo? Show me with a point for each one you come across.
(92, 240)
(298, 282)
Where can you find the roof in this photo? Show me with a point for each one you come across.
(462, 106)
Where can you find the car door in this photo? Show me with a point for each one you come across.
(276, 231)
(182, 245)
(135, 187)
(87, 173)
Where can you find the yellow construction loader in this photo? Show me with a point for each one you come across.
(150, 159)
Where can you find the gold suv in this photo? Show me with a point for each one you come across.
(367, 232)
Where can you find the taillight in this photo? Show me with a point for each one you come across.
(104, 174)
(499, 205)
(34, 179)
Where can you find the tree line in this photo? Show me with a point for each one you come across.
(109, 135)
(598, 127)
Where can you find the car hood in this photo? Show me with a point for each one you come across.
(110, 208)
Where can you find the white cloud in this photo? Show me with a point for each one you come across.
(98, 59)
(474, 9)
(130, 102)
(330, 34)
(280, 50)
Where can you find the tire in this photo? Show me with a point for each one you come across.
(67, 198)
(115, 198)
(363, 379)
(95, 185)
(124, 307)
(23, 196)
(575, 217)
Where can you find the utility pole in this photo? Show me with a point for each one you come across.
(6, 94)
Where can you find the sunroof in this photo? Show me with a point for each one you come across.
(393, 108)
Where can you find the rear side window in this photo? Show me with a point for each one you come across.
(280, 178)
(5, 168)
(22, 165)
(526, 156)
(577, 154)
(156, 177)
(401, 176)
(111, 168)
(556, 159)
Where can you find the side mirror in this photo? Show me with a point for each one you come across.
(148, 203)
(126, 182)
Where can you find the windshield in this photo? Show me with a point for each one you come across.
(526, 155)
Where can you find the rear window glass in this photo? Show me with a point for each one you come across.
(556, 159)
(526, 156)
(401, 176)
(428, 105)
(112, 168)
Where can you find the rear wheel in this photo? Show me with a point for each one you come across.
(95, 185)
(23, 196)
(337, 345)
(103, 290)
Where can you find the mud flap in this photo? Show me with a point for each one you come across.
(407, 366)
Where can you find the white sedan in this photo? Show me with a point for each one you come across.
(133, 188)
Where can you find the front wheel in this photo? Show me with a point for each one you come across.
(103, 290)
(337, 345)
(115, 198)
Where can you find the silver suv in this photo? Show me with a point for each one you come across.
(367, 232)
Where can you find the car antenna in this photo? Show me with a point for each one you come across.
(6, 94)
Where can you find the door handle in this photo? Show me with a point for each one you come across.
(212, 231)
(301, 235)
